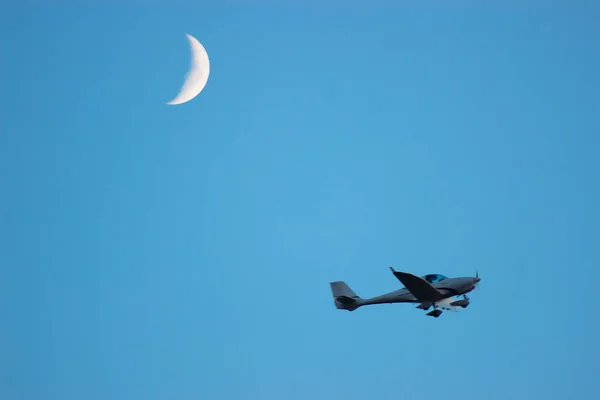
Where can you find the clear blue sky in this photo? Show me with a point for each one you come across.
(185, 252)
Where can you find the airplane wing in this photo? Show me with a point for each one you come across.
(419, 287)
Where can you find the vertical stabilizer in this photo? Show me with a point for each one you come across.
(344, 297)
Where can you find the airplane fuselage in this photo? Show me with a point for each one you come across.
(448, 287)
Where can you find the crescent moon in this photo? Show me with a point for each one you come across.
(196, 78)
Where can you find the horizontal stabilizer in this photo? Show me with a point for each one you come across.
(345, 300)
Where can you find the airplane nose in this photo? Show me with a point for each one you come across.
(477, 279)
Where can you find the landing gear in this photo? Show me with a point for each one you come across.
(467, 299)
(435, 313)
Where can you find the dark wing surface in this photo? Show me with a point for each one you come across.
(419, 287)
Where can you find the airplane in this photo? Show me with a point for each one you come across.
(430, 290)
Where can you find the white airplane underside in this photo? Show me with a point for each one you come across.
(450, 304)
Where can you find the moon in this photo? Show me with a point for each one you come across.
(196, 78)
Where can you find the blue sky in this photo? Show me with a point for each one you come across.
(184, 252)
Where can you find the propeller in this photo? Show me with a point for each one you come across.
(477, 284)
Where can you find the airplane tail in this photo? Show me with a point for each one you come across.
(344, 297)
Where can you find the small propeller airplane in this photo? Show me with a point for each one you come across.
(430, 290)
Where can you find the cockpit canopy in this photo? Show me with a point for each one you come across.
(432, 278)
